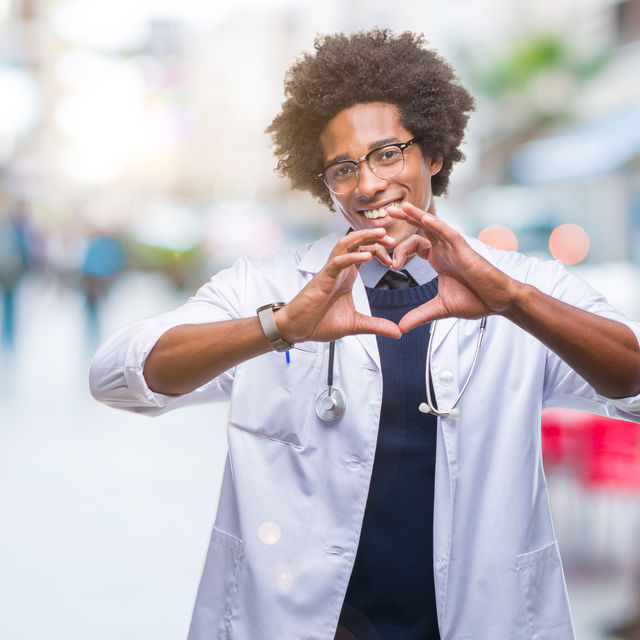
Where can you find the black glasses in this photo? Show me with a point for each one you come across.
(385, 162)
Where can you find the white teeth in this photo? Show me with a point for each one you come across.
(375, 213)
(379, 213)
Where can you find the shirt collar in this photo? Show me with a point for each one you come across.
(421, 271)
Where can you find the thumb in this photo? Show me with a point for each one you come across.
(431, 310)
(378, 326)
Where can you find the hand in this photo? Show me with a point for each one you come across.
(468, 285)
(324, 309)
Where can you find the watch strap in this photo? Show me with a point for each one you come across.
(268, 323)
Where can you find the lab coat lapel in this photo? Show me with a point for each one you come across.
(361, 302)
(318, 252)
(443, 327)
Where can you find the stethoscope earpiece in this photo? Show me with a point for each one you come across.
(454, 412)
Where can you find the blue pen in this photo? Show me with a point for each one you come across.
(286, 353)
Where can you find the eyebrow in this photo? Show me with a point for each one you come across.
(374, 145)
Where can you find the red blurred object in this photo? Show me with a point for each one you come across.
(602, 452)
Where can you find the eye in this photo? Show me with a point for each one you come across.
(342, 171)
(387, 155)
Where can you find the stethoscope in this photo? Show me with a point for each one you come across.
(331, 403)
(453, 412)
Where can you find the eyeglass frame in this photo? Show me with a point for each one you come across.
(402, 145)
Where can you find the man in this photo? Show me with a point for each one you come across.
(419, 510)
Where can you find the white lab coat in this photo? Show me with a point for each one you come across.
(295, 488)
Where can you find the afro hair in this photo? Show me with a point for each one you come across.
(365, 67)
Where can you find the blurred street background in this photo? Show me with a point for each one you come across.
(134, 164)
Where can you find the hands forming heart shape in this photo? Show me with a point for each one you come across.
(468, 285)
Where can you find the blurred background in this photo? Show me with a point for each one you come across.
(134, 164)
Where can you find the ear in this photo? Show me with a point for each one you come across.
(434, 164)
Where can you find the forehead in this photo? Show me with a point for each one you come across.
(358, 129)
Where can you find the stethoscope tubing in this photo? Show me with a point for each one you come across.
(453, 412)
(332, 353)
(331, 403)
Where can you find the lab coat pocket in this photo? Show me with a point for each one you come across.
(545, 594)
(273, 397)
(216, 597)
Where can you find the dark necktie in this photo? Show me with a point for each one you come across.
(396, 280)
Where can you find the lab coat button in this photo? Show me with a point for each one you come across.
(456, 471)
(446, 378)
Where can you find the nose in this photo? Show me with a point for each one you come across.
(369, 183)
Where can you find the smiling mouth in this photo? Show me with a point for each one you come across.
(371, 214)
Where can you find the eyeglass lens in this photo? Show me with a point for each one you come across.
(385, 162)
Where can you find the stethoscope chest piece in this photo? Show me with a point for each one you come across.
(330, 404)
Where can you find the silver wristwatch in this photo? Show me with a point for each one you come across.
(265, 315)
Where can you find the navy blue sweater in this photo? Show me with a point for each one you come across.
(391, 591)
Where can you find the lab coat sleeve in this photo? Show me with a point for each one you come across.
(115, 375)
(563, 386)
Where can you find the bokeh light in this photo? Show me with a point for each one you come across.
(499, 237)
(269, 532)
(283, 577)
(569, 243)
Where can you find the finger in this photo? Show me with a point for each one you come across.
(378, 251)
(430, 222)
(400, 214)
(411, 213)
(378, 326)
(431, 226)
(413, 245)
(341, 262)
(353, 240)
(431, 310)
(415, 216)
